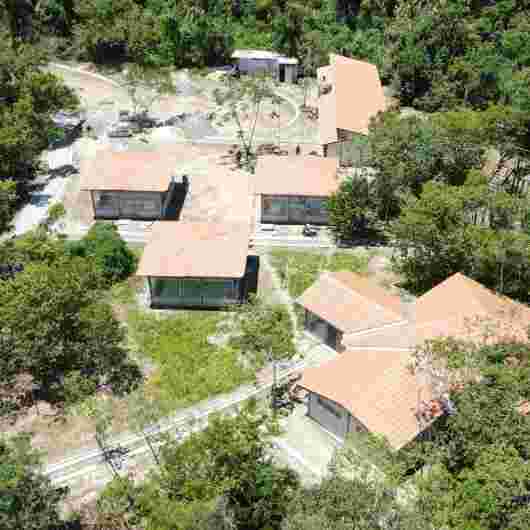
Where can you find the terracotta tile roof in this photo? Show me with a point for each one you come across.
(218, 194)
(377, 387)
(327, 106)
(351, 302)
(178, 249)
(457, 307)
(311, 176)
(128, 171)
(460, 305)
(356, 96)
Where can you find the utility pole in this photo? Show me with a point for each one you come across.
(274, 384)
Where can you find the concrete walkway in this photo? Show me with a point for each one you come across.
(283, 295)
(313, 446)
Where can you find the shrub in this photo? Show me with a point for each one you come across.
(112, 256)
(55, 212)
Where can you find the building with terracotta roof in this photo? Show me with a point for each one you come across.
(190, 264)
(294, 189)
(370, 386)
(372, 391)
(457, 307)
(131, 184)
(350, 94)
(343, 303)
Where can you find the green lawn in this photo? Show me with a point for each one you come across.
(299, 269)
(188, 368)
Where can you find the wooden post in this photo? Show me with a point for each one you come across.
(93, 202)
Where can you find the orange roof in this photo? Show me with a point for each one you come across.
(351, 302)
(128, 171)
(464, 304)
(312, 176)
(377, 387)
(457, 307)
(356, 96)
(178, 249)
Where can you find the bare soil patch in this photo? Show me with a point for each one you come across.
(56, 434)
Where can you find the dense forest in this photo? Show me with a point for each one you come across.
(439, 54)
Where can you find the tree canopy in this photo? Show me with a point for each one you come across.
(478, 457)
(470, 229)
(220, 477)
(56, 328)
(483, 59)
(29, 96)
(27, 500)
(108, 251)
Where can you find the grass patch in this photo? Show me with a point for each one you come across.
(188, 368)
(123, 293)
(299, 269)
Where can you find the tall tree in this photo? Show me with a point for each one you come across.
(117, 30)
(28, 500)
(8, 197)
(478, 456)
(407, 152)
(467, 229)
(220, 477)
(54, 325)
(352, 209)
(242, 102)
(29, 97)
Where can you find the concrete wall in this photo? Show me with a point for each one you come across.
(329, 414)
(253, 66)
(291, 73)
(332, 416)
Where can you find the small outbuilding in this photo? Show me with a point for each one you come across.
(294, 189)
(282, 68)
(342, 303)
(350, 94)
(372, 391)
(206, 265)
(131, 185)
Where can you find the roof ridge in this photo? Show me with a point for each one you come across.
(473, 286)
(351, 290)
